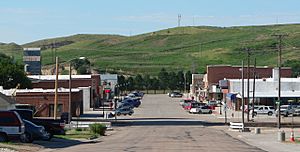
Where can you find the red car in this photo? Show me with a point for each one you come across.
(193, 104)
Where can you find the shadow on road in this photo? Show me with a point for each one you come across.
(62, 143)
(164, 122)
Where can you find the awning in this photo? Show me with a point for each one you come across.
(231, 96)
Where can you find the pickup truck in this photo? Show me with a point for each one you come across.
(53, 127)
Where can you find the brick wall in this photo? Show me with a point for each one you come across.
(38, 99)
(216, 73)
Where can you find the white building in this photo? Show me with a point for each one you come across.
(266, 89)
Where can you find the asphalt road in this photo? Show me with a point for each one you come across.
(160, 124)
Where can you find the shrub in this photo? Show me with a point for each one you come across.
(98, 129)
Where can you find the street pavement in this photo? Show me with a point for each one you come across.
(160, 124)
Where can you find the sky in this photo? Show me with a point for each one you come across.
(23, 21)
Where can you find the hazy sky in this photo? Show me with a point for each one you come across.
(23, 21)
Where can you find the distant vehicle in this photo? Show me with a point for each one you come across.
(11, 126)
(297, 111)
(122, 111)
(125, 105)
(286, 110)
(134, 102)
(176, 94)
(53, 127)
(269, 110)
(34, 132)
(184, 101)
(191, 105)
(212, 104)
(201, 109)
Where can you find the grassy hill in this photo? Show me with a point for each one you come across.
(182, 48)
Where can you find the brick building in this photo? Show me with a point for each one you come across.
(92, 81)
(215, 73)
(43, 100)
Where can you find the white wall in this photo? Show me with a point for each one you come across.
(86, 91)
(269, 85)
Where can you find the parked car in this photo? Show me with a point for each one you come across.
(134, 102)
(297, 111)
(53, 127)
(34, 132)
(269, 110)
(212, 104)
(286, 110)
(122, 111)
(11, 126)
(124, 105)
(185, 101)
(176, 94)
(191, 105)
(201, 109)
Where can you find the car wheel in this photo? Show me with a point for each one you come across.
(270, 113)
(118, 114)
(200, 111)
(210, 112)
(3, 137)
(26, 138)
(48, 136)
(255, 113)
(286, 114)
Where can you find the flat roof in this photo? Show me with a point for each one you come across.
(60, 77)
(9, 92)
(268, 80)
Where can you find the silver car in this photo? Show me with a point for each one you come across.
(122, 111)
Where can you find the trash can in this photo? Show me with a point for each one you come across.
(257, 130)
(281, 136)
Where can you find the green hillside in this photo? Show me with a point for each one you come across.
(183, 48)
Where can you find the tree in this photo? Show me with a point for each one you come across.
(188, 79)
(139, 82)
(12, 74)
(147, 82)
(155, 84)
(121, 83)
(163, 77)
(180, 80)
(295, 65)
(82, 65)
(172, 83)
(130, 84)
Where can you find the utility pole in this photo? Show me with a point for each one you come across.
(254, 77)
(248, 85)
(243, 102)
(56, 86)
(279, 47)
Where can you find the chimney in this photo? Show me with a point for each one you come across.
(275, 74)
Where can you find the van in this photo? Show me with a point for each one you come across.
(11, 126)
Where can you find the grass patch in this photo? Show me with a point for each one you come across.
(78, 134)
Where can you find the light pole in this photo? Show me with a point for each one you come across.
(70, 88)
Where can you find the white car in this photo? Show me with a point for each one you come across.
(269, 110)
(286, 110)
(201, 109)
(122, 111)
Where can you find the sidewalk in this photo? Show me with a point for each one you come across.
(268, 139)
